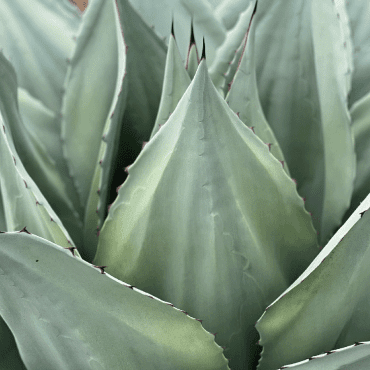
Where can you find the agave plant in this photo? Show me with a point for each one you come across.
(238, 176)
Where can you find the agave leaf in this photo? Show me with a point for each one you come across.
(39, 54)
(327, 306)
(160, 13)
(355, 357)
(229, 11)
(302, 78)
(75, 317)
(360, 114)
(358, 13)
(23, 203)
(226, 52)
(93, 82)
(199, 217)
(145, 63)
(115, 52)
(43, 160)
(176, 81)
(192, 60)
(243, 99)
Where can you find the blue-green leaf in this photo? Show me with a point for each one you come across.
(209, 220)
(66, 315)
(327, 307)
(302, 77)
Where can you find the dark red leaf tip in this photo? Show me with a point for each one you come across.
(282, 163)
(362, 213)
(144, 143)
(98, 192)
(126, 168)
(24, 230)
(269, 146)
(100, 162)
(4, 129)
(199, 320)
(15, 162)
(25, 183)
(118, 187)
(252, 128)
(37, 203)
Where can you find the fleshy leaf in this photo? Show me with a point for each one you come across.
(74, 316)
(302, 78)
(22, 202)
(192, 60)
(358, 13)
(355, 357)
(39, 55)
(243, 98)
(176, 81)
(226, 52)
(360, 114)
(31, 122)
(229, 11)
(99, 188)
(159, 15)
(92, 84)
(209, 220)
(327, 306)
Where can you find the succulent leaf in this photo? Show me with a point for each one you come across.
(327, 306)
(75, 317)
(226, 52)
(358, 13)
(160, 13)
(302, 81)
(229, 11)
(355, 357)
(220, 255)
(176, 81)
(96, 69)
(42, 49)
(192, 60)
(243, 98)
(23, 203)
(360, 115)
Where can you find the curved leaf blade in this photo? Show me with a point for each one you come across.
(196, 222)
(327, 306)
(75, 317)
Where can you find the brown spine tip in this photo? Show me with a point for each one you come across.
(203, 51)
(24, 230)
(255, 8)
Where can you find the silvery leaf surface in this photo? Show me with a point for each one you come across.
(303, 82)
(176, 81)
(209, 220)
(359, 13)
(159, 14)
(67, 314)
(243, 98)
(327, 307)
(355, 357)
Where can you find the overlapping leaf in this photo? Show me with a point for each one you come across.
(209, 220)
(226, 52)
(359, 13)
(355, 357)
(22, 202)
(244, 101)
(327, 306)
(66, 315)
(160, 14)
(176, 81)
(302, 77)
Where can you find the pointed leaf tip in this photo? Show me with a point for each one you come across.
(192, 38)
(172, 28)
(203, 51)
